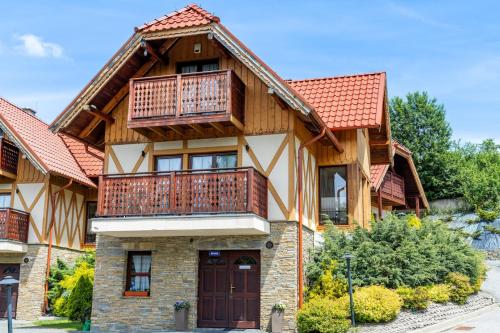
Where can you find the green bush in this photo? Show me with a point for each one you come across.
(460, 287)
(73, 288)
(439, 293)
(318, 316)
(328, 285)
(487, 215)
(394, 254)
(414, 298)
(373, 304)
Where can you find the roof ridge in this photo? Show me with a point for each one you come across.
(336, 77)
(192, 6)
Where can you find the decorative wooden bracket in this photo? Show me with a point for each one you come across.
(222, 50)
(278, 99)
(92, 109)
(151, 50)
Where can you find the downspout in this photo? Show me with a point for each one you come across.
(300, 159)
(49, 250)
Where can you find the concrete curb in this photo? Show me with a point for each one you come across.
(452, 322)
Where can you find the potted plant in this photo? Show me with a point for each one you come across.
(277, 317)
(181, 315)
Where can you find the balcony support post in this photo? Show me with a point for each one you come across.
(417, 206)
(379, 203)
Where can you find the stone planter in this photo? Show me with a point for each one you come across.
(181, 320)
(277, 321)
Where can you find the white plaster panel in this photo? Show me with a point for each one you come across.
(279, 176)
(128, 155)
(215, 142)
(112, 169)
(265, 147)
(246, 161)
(29, 193)
(274, 212)
(166, 145)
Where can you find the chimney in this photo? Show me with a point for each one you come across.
(29, 111)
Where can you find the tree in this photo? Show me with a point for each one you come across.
(419, 123)
(479, 174)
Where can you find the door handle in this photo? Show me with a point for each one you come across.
(231, 288)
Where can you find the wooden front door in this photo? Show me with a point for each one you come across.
(229, 289)
(6, 270)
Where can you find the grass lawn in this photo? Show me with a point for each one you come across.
(59, 323)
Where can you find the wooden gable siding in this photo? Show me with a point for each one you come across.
(27, 173)
(263, 115)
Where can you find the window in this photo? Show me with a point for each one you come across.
(213, 161)
(333, 195)
(4, 200)
(91, 212)
(168, 163)
(198, 66)
(138, 271)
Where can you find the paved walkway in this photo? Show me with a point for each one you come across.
(22, 326)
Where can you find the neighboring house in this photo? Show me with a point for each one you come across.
(43, 188)
(218, 174)
(397, 186)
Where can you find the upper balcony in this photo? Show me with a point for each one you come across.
(186, 100)
(393, 189)
(183, 203)
(9, 156)
(14, 226)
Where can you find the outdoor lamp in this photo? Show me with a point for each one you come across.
(348, 258)
(8, 282)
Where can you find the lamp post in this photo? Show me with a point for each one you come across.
(348, 258)
(8, 282)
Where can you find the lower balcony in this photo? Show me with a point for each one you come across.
(14, 226)
(393, 189)
(183, 203)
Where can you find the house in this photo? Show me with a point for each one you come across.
(46, 196)
(397, 186)
(218, 174)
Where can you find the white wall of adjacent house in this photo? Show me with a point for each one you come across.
(31, 197)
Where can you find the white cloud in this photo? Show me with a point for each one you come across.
(34, 46)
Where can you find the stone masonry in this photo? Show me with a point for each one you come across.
(32, 276)
(174, 277)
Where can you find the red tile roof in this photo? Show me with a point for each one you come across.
(89, 158)
(189, 16)
(377, 173)
(346, 102)
(46, 147)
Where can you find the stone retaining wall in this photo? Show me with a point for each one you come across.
(174, 277)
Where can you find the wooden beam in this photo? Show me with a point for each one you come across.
(176, 129)
(379, 204)
(96, 113)
(197, 128)
(151, 50)
(417, 206)
(218, 127)
(379, 143)
(120, 95)
(236, 123)
(160, 132)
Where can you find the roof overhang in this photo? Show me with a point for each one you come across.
(119, 61)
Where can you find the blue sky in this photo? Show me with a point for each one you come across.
(49, 50)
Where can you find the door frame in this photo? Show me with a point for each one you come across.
(227, 254)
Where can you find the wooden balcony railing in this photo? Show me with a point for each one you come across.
(393, 188)
(14, 224)
(215, 191)
(185, 99)
(9, 156)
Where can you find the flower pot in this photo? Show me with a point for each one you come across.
(136, 293)
(181, 320)
(277, 321)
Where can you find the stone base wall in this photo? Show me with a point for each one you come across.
(32, 276)
(174, 277)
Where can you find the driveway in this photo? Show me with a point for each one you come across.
(492, 283)
(23, 326)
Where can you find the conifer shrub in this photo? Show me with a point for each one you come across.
(439, 293)
(414, 298)
(318, 315)
(460, 287)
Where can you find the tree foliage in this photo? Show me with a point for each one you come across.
(419, 123)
